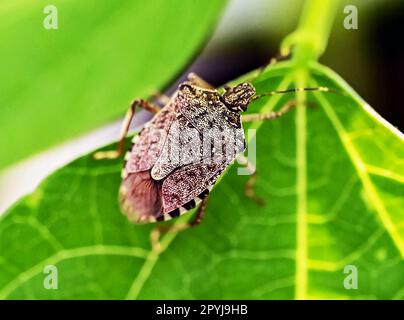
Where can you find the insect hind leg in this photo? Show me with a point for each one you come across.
(159, 230)
(113, 154)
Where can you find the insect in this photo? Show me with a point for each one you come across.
(167, 172)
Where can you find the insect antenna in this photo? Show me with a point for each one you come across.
(322, 89)
(281, 57)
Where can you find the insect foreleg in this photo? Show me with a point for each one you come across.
(270, 115)
(278, 58)
(157, 231)
(113, 154)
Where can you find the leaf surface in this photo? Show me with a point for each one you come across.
(331, 177)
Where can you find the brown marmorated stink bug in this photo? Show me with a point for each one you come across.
(178, 155)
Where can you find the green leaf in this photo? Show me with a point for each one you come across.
(332, 179)
(57, 84)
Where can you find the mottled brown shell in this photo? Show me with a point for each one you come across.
(153, 188)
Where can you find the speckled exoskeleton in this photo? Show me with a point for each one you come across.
(155, 188)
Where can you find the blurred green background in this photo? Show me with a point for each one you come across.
(58, 84)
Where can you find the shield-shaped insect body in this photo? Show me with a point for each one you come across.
(178, 156)
(180, 153)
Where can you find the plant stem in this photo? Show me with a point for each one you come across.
(310, 38)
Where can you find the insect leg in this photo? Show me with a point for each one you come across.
(198, 81)
(249, 189)
(278, 58)
(157, 231)
(113, 154)
(161, 98)
(281, 56)
(274, 114)
(249, 185)
(270, 115)
(200, 214)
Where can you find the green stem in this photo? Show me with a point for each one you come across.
(310, 38)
